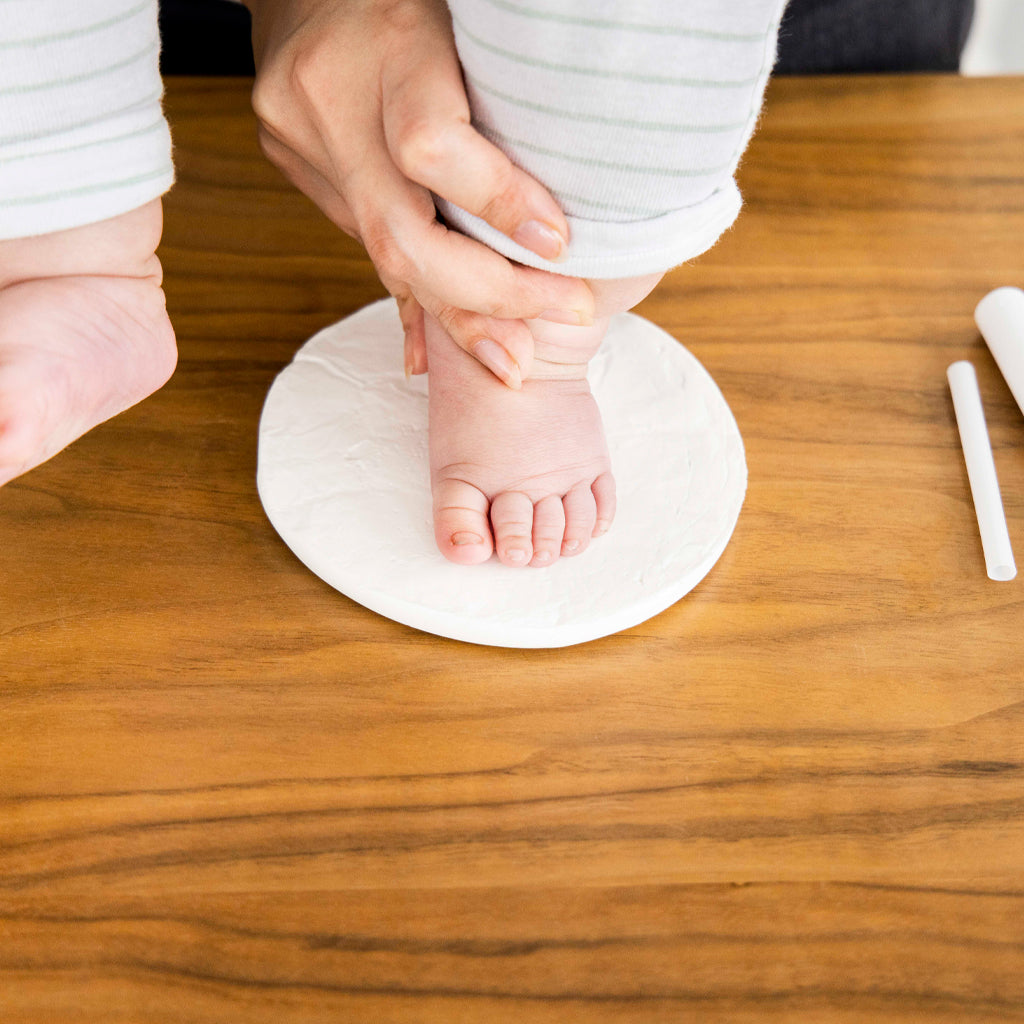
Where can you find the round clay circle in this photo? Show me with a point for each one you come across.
(344, 478)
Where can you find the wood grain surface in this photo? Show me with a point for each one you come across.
(229, 794)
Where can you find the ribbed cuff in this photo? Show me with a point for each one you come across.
(603, 249)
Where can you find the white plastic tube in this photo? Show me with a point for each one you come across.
(1000, 318)
(981, 470)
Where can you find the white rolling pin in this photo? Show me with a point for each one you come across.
(1000, 318)
(981, 472)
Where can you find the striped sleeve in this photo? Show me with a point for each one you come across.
(633, 113)
(82, 132)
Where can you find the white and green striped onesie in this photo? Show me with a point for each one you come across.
(82, 135)
(634, 114)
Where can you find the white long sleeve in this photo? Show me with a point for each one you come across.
(82, 134)
(634, 114)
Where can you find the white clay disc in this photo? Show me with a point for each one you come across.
(344, 477)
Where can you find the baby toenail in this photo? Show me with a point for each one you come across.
(515, 555)
(572, 545)
(603, 526)
(462, 539)
(542, 556)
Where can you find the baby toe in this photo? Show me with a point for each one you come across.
(512, 522)
(461, 529)
(548, 530)
(580, 516)
(604, 497)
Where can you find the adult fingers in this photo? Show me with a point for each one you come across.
(430, 138)
(317, 187)
(309, 180)
(406, 243)
(480, 298)
(411, 314)
(510, 353)
(504, 346)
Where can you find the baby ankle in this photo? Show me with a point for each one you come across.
(563, 352)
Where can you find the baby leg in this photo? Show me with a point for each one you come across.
(523, 473)
(84, 152)
(634, 113)
(84, 333)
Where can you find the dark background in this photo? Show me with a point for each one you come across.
(211, 37)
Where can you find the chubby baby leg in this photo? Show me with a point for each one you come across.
(526, 473)
(84, 333)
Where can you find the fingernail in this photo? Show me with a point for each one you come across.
(542, 239)
(462, 539)
(499, 362)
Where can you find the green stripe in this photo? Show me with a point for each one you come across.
(85, 190)
(86, 145)
(508, 142)
(633, 211)
(626, 26)
(76, 33)
(625, 76)
(615, 122)
(19, 90)
(17, 140)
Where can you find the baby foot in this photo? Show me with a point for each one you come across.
(84, 332)
(525, 474)
(75, 351)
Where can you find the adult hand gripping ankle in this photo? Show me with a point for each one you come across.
(362, 106)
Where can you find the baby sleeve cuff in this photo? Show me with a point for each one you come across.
(603, 249)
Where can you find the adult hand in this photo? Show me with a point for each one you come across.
(361, 105)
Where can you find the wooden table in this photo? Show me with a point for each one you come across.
(229, 794)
